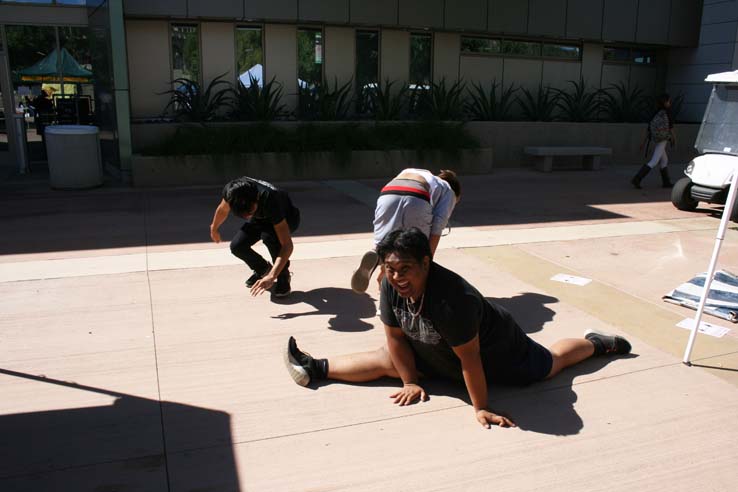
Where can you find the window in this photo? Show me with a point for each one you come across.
(521, 48)
(421, 47)
(629, 55)
(249, 55)
(367, 66)
(309, 58)
(480, 45)
(566, 51)
(185, 52)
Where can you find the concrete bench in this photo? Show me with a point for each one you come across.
(544, 155)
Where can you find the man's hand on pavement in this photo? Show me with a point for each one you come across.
(409, 394)
(263, 284)
(487, 419)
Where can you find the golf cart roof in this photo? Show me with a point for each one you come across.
(723, 78)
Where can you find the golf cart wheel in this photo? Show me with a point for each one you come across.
(681, 195)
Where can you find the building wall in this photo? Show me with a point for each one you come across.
(394, 55)
(280, 59)
(664, 22)
(149, 72)
(716, 52)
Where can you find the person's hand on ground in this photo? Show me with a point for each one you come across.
(488, 419)
(215, 235)
(409, 394)
(263, 284)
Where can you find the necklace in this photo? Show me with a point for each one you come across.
(415, 312)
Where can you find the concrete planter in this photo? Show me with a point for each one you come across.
(151, 171)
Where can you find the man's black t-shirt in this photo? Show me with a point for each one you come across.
(453, 313)
(274, 205)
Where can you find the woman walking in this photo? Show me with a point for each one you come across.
(661, 131)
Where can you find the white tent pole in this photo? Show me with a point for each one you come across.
(727, 212)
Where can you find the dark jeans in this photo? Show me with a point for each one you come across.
(251, 232)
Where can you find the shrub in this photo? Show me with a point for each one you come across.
(387, 104)
(622, 104)
(580, 104)
(255, 103)
(441, 103)
(538, 107)
(190, 103)
(486, 106)
(324, 103)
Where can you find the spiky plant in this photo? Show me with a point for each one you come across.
(254, 103)
(441, 102)
(622, 103)
(190, 103)
(387, 104)
(540, 106)
(486, 106)
(580, 104)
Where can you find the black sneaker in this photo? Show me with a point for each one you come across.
(282, 286)
(256, 276)
(300, 365)
(361, 276)
(604, 343)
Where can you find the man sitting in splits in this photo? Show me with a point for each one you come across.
(438, 325)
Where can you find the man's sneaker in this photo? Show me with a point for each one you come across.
(282, 286)
(605, 343)
(360, 278)
(300, 365)
(256, 276)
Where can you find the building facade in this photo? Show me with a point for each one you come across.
(138, 47)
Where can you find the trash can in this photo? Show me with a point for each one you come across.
(74, 156)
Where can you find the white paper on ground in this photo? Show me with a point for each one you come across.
(570, 279)
(705, 328)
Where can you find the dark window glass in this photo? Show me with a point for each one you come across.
(367, 66)
(249, 55)
(480, 45)
(75, 104)
(521, 48)
(185, 52)
(616, 54)
(561, 51)
(421, 47)
(309, 58)
(642, 57)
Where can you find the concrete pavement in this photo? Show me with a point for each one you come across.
(133, 358)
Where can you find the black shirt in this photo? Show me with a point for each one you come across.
(273, 205)
(453, 313)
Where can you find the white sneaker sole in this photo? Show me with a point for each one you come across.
(360, 278)
(296, 371)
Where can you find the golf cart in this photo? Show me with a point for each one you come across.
(709, 175)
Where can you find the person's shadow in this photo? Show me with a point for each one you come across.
(347, 307)
(529, 309)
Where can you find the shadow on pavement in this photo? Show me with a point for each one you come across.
(120, 446)
(346, 307)
(42, 220)
(529, 309)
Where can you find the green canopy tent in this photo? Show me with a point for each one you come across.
(50, 69)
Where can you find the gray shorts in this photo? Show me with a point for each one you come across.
(402, 205)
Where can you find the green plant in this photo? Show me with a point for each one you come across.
(442, 103)
(255, 103)
(622, 103)
(486, 106)
(580, 104)
(190, 103)
(387, 104)
(538, 107)
(324, 103)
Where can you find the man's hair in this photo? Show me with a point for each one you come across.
(409, 242)
(240, 196)
(453, 181)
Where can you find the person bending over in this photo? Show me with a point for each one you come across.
(414, 198)
(438, 326)
(271, 217)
